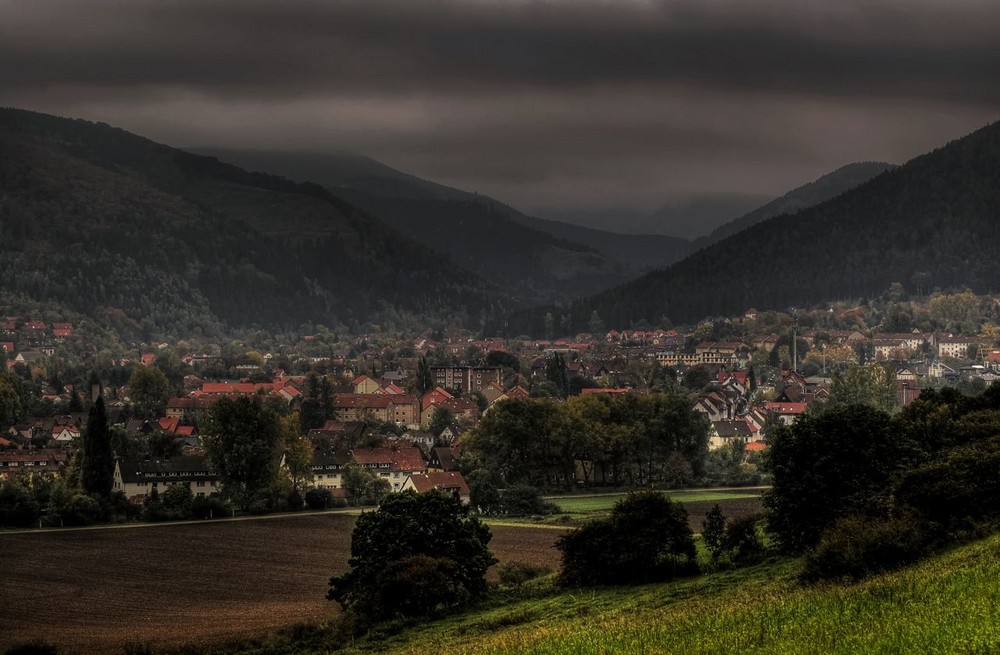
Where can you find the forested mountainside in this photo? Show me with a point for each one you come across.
(931, 223)
(159, 240)
(826, 187)
(533, 258)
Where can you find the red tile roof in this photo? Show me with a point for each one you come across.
(444, 480)
(406, 458)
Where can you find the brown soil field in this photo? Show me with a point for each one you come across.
(92, 591)
(734, 508)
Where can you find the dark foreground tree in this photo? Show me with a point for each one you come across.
(418, 554)
(828, 466)
(97, 462)
(646, 539)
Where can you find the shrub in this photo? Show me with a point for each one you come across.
(524, 500)
(36, 647)
(858, 546)
(317, 498)
(741, 540)
(18, 507)
(514, 574)
(177, 500)
(834, 464)
(713, 529)
(411, 537)
(209, 507)
(295, 500)
(957, 494)
(646, 539)
(419, 585)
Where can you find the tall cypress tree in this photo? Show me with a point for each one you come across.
(424, 382)
(97, 464)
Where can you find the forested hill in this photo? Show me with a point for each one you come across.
(932, 223)
(826, 187)
(146, 237)
(535, 259)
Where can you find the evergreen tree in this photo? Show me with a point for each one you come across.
(555, 372)
(713, 531)
(97, 464)
(424, 380)
(75, 402)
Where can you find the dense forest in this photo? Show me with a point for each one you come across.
(155, 240)
(930, 224)
(535, 259)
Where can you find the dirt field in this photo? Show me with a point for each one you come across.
(93, 591)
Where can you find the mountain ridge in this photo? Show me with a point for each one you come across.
(930, 223)
(187, 240)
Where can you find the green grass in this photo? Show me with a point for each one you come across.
(950, 604)
(604, 503)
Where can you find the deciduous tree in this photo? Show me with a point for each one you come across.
(242, 442)
(416, 554)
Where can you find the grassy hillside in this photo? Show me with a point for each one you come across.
(946, 605)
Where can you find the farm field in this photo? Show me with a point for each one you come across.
(734, 502)
(92, 591)
(201, 583)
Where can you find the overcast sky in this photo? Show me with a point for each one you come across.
(570, 103)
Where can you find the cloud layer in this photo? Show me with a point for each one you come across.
(540, 103)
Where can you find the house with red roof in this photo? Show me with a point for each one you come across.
(786, 412)
(449, 482)
(365, 385)
(433, 397)
(30, 460)
(392, 464)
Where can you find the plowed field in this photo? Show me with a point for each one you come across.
(92, 591)
(95, 590)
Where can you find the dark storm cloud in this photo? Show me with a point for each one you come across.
(540, 103)
(313, 47)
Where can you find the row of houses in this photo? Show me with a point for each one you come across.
(402, 467)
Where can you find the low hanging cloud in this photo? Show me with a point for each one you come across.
(540, 103)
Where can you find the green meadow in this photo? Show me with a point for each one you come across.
(604, 502)
(949, 604)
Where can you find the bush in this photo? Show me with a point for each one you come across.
(36, 647)
(834, 464)
(18, 508)
(514, 574)
(419, 585)
(209, 507)
(741, 540)
(858, 546)
(955, 495)
(409, 540)
(646, 539)
(713, 530)
(177, 500)
(524, 500)
(295, 500)
(317, 498)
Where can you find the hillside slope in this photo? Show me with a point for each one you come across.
(826, 187)
(941, 606)
(158, 240)
(931, 223)
(536, 259)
